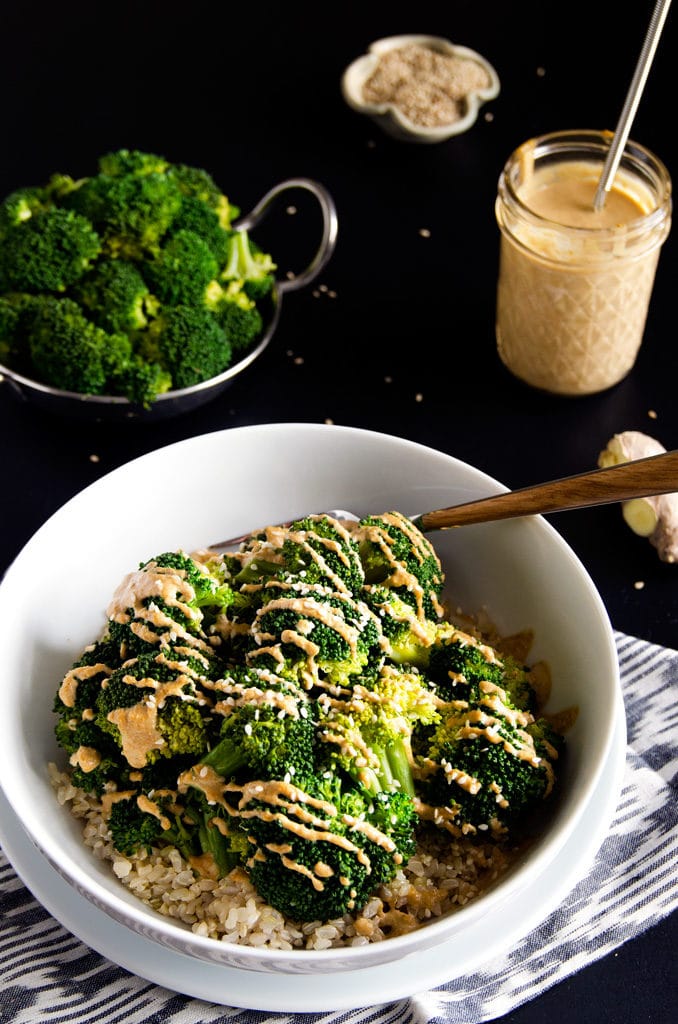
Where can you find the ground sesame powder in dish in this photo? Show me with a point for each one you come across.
(427, 86)
(444, 875)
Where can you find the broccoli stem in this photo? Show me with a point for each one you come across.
(226, 758)
(394, 771)
(399, 765)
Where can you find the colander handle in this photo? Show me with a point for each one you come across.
(329, 227)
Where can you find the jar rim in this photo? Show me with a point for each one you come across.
(636, 159)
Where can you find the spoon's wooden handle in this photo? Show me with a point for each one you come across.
(641, 478)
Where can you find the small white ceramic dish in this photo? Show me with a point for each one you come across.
(389, 116)
(53, 597)
(449, 962)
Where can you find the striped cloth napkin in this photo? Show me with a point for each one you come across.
(49, 976)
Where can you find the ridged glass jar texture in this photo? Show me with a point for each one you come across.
(572, 301)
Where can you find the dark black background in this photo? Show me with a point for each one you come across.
(251, 92)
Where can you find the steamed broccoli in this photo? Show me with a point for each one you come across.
(488, 763)
(301, 709)
(203, 220)
(181, 270)
(238, 314)
(131, 212)
(137, 823)
(397, 555)
(264, 742)
(47, 252)
(71, 352)
(325, 852)
(188, 341)
(169, 600)
(313, 635)
(143, 247)
(115, 296)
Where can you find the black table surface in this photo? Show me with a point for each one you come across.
(253, 95)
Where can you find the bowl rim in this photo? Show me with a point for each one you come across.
(355, 75)
(204, 947)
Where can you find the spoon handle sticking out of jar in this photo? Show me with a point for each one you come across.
(630, 107)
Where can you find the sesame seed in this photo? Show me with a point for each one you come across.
(652, 414)
(424, 232)
(94, 458)
(639, 584)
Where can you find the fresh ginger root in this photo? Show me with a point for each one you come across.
(656, 517)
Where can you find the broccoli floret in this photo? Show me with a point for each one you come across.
(48, 251)
(116, 296)
(181, 270)
(366, 732)
(197, 183)
(170, 600)
(488, 763)
(238, 314)
(409, 635)
(458, 663)
(189, 343)
(20, 205)
(132, 161)
(396, 554)
(264, 742)
(130, 211)
(154, 706)
(15, 318)
(133, 829)
(182, 727)
(202, 219)
(190, 828)
(248, 264)
(312, 634)
(322, 856)
(141, 381)
(320, 550)
(70, 352)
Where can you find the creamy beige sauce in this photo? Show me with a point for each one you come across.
(566, 195)
(69, 686)
(86, 758)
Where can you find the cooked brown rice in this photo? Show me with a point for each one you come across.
(444, 875)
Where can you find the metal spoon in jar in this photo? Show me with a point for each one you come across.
(641, 478)
(633, 96)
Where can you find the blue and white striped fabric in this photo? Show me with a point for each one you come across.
(49, 977)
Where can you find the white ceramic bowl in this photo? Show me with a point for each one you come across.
(389, 116)
(53, 597)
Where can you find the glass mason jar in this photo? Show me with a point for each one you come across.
(574, 284)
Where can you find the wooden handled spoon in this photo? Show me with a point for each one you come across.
(641, 478)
